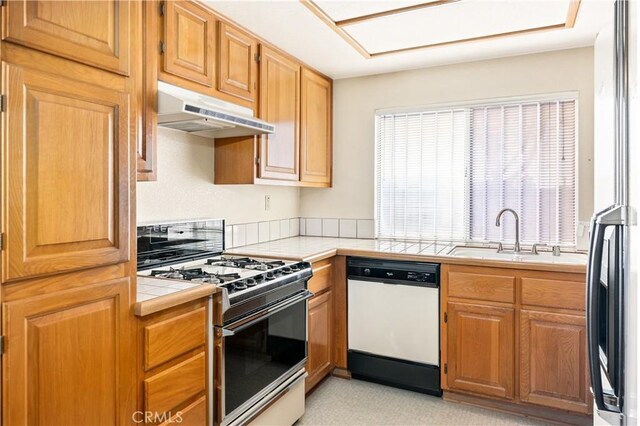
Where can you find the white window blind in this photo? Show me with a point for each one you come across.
(445, 174)
(421, 174)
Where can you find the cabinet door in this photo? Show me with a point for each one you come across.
(146, 85)
(238, 68)
(279, 105)
(315, 129)
(189, 40)
(481, 349)
(320, 337)
(66, 204)
(92, 32)
(68, 358)
(553, 360)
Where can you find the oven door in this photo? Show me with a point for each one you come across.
(259, 353)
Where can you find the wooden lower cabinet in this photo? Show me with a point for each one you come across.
(68, 358)
(481, 349)
(553, 362)
(516, 338)
(321, 321)
(320, 338)
(172, 365)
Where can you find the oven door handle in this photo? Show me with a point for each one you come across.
(241, 324)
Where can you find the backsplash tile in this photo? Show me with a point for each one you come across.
(274, 230)
(342, 228)
(252, 233)
(348, 228)
(263, 232)
(284, 228)
(294, 227)
(313, 227)
(228, 236)
(365, 228)
(241, 234)
(329, 227)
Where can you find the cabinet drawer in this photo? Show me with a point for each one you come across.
(195, 414)
(168, 389)
(474, 285)
(322, 276)
(554, 293)
(167, 339)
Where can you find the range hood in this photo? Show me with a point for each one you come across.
(202, 115)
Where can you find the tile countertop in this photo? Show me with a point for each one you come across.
(157, 294)
(313, 249)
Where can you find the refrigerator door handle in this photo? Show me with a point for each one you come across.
(596, 243)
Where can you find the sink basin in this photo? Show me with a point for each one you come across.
(492, 254)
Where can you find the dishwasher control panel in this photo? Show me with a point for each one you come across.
(394, 272)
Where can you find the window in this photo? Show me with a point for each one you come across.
(444, 174)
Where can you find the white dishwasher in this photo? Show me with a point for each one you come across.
(394, 323)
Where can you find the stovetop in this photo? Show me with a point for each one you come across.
(191, 251)
(240, 276)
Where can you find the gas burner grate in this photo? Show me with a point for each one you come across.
(246, 263)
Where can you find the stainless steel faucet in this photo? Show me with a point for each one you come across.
(516, 247)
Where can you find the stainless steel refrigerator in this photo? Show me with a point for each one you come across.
(612, 294)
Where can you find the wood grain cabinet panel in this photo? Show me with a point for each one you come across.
(194, 414)
(322, 278)
(237, 65)
(315, 128)
(468, 283)
(67, 198)
(146, 91)
(279, 105)
(189, 40)
(69, 358)
(553, 360)
(92, 32)
(166, 390)
(167, 339)
(481, 349)
(320, 338)
(554, 293)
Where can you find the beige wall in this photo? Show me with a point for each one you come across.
(185, 189)
(356, 99)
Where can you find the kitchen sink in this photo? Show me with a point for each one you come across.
(491, 253)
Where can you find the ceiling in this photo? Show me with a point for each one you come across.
(347, 38)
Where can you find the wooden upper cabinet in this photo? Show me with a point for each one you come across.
(237, 64)
(69, 361)
(481, 349)
(279, 105)
(66, 204)
(315, 129)
(146, 91)
(189, 42)
(92, 32)
(553, 361)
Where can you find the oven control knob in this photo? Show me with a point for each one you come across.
(286, 270)
(295, 268)
(250, 282)
(240, 285)
(367, 271)
(259, 278)
(269, 275)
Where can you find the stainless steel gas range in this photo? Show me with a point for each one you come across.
(259, 324)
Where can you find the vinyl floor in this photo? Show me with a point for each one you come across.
(354, 402)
